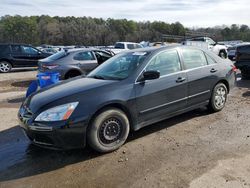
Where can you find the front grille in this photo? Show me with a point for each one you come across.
(42, 139)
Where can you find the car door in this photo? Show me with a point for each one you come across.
(201, 75)
(31, 55)
(165, 95)
(18, 57)
(86, 60)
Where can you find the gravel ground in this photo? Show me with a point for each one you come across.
(196, 149)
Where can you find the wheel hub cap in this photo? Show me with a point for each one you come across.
(4, 67)
(110, 130)
(220, 97)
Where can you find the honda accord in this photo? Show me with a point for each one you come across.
(129, 91)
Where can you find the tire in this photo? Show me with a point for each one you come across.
(5, 67)
(223, 54)
(108, 131)
(218, 98)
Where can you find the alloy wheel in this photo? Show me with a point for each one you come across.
(4, 67)
(220, 97)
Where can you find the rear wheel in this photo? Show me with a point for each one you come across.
(218, 98)
(108, 131)
(5, 67)
(223, 54)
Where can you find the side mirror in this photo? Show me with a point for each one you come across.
(151, 75)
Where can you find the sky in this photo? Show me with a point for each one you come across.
(191, 13)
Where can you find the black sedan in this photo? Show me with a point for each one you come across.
(74, 62)
(127, 92)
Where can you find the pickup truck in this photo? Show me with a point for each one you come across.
(208, 43)
(124, 46)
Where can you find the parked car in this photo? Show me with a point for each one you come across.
(129, 91)
(75, 62)
(19, 55)
(125, 46)
(213, 46)
(243, 59)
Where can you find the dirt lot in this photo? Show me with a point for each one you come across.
(196, 149)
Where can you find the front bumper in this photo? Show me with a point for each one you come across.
(58, 135)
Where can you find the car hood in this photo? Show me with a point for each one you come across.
(61, 90)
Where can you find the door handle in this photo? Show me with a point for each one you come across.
(213, 70)
(180, 79)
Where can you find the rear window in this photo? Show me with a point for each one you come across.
(138, 46)
(197, 39)
(210, 60)
(83, 56)
(119, 46)
(58, 55)
(193, 58)
(130, 46)
(16, 49)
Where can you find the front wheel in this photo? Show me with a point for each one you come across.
(5, 67)
(218, 98)
(108, 131)
(223, 54)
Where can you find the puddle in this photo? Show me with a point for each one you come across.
(246, 94)
(19, 158)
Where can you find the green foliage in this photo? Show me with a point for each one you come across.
(94, 31)
(224, 33)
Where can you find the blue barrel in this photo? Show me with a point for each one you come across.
(48, 78)
(32, 88)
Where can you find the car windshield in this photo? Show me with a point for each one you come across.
(119, 67)
(58, 55)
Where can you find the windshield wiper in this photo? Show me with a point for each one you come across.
(98, 77)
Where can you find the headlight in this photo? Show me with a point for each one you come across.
(57, 113)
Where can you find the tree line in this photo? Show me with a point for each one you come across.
(90, 31)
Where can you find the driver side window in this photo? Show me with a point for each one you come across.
(166, 63)
(29, 50)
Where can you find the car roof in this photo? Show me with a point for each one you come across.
(158, 49)
(127, 42)
(16, 44)
(83, 49)
(243, 44)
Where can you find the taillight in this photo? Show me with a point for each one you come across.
(49, 66)
(234, 69)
